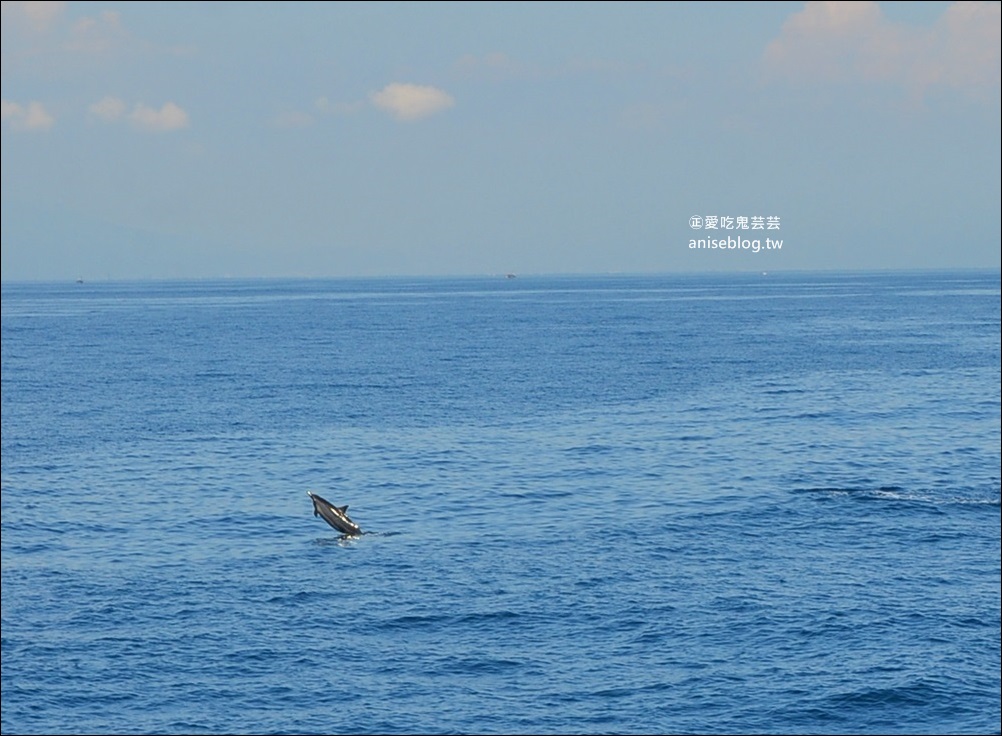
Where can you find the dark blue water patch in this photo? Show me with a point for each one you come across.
(622, 505)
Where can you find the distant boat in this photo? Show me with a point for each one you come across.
(509, 276)
(79, 281)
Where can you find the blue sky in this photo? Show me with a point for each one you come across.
(191, 140)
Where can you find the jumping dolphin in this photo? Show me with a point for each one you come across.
(336, 516)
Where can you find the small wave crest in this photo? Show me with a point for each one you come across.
(892, 493)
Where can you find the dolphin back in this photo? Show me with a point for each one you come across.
(336, 516)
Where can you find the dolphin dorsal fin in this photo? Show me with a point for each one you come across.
(342, 509)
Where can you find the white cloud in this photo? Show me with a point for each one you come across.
(411, 101)
(853, 42)
(112, 110)
(97, 35)
(108, 109)
(37, 16)
(167, 118)
(88, 34)
(826, 40)
(971, 34)
(9, 110)
(37, 117)
(20, 118)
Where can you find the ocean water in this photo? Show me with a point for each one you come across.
(738, 503)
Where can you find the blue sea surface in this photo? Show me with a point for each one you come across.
(738, 503)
